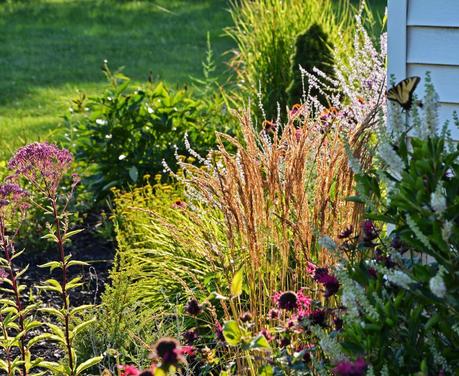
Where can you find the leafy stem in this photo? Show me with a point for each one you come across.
(60, 247)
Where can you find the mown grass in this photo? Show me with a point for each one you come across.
(51, 49)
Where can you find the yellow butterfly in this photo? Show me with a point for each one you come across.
(402, 93)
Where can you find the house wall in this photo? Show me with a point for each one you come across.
(423, 35)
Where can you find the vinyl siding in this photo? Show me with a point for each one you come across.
(424, 36)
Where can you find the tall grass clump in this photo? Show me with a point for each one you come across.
(265, 32)
(252, 210)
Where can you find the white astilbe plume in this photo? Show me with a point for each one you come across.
(438, 199)
(437, 285)
(393, 162)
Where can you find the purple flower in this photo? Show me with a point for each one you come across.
(349, 368)
(42, 164)
(193, 307)
(320, 273)
(346, 233)
(317, 317)
(331, 284)
(219, 332)
(190, 336)
(287, 300)
(13, 199)
(369, 231)
(246, 317)
(273, 314)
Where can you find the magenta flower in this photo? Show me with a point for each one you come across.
(190, 336)
(331, 284)
(286, 300)
(169, 352)
(42, 164)
(129, 370)
(349, 368)
(346, 233)
(193, 307)
(369, 231)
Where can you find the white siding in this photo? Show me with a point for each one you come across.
(423, 35)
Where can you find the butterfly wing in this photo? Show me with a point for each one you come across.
(402, 93)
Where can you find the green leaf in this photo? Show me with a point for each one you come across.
(53, 366)
(260, 342)
(236, 284)
(134, 174)
(88, 364)
(69, 234)
(77, 263)
(51, 265)
(82, 326)
(232, 333)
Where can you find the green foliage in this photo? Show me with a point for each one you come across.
(150, 272)
(312, 50)
(41, 74)
(265, 32)
(126, 134)
(410, 305)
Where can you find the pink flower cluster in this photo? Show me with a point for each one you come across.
(293, 301)
(11, 193)
(42, 164)
(351, 368)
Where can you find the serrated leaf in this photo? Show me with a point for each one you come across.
(236, 284)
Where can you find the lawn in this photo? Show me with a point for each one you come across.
(51, 49)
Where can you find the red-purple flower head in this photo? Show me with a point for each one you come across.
(42, 164)
(349, 368)
(13, 199)
(287, 300)
(193, 307)
(169, 352)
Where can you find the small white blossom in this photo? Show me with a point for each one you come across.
(437, 285)
(121, 157)
(101, 122)
(447, 230)
(438, 199)
(391, 159)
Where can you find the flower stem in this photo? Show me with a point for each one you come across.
(60, 248)
(17, 295)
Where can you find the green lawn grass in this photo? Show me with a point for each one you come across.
(50, 49)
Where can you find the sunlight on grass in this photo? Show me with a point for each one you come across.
(52, 49)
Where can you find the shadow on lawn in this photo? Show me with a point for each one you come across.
(54, 43)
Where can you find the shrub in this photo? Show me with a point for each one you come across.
(312, 50)
(401, 297)
(265, 32)
(125, 134)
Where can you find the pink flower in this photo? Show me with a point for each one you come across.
(169, 352)
(129, 370)
(311, 268)
(42, 164)
(349, 368)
